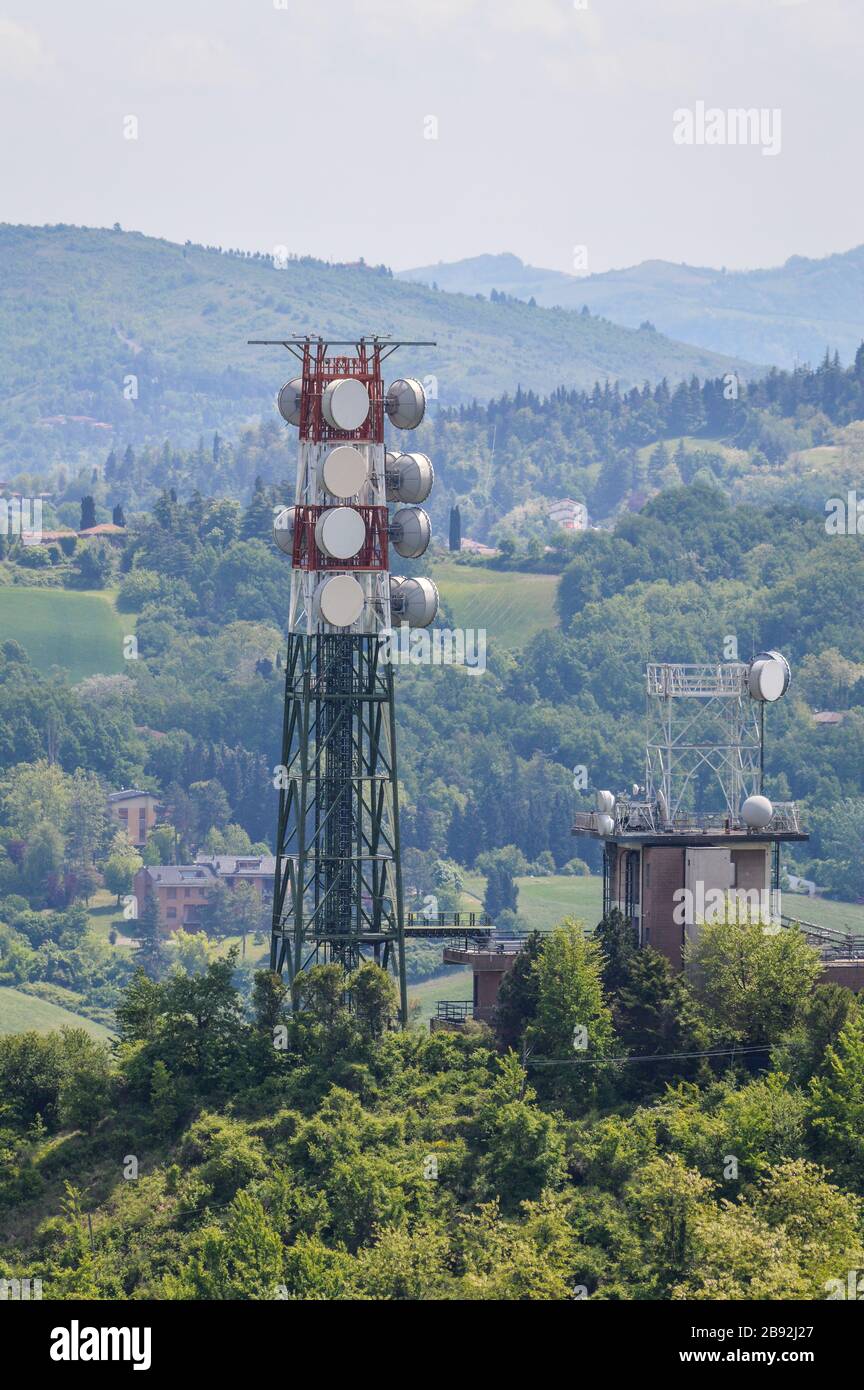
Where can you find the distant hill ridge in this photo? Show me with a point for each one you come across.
(785, 315)
(150, 338)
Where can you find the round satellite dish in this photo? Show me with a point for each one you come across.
(410, 531)
(343, 471)
(605, 802)
(289, 400)
(405, 403)
(338, 600)
(417, 601)
(345, 403)
(283, 529)
(756, 812)
(605, 824)
(340, 532)
(769, 676)
(410, 478)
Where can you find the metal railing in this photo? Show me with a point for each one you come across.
(454, 1010)
(643, 817)
(433, 921)
(696, 678)
(832, 943)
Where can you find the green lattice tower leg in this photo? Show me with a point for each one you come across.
(338, 882)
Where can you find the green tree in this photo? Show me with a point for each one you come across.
(150, 954)
(119, 870)
(753, 983)
(374, 996)
(87, 1082)
(44, 858)
(164, 1106)
(516, 1004)
(837, 1102)
(616, 937)
(243, 1260)
(573, 1022)
(322, 991)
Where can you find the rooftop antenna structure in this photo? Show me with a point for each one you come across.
(706, 731)
(705, 750)
(338, 878)
(702, 826)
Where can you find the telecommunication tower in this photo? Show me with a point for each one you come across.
(338, 881)
(701, 824)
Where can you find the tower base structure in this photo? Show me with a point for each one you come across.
(338, 889)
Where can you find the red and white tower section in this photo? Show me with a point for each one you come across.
(341, 531)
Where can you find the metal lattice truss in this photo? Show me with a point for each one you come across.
(338, 878)
(703, 726)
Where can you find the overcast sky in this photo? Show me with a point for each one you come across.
(299, 123)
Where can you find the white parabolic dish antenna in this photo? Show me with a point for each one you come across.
(769, 676)
(345, 403)
(415, 601)
(343, 471)
(289, 399)
(340, 532)
(283, 529)
(339, 600)
(410, 529)
(605, 802)
(405, 403)
(409, 478)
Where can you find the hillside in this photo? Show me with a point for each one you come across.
(511, 607)
(787, 314)
(86, 315)
(22, 1013)
(80, 632)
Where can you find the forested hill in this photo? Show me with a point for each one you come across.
(787, 314)
(82, 311)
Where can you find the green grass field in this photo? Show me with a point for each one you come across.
(845, 917)
(79, 631)
(544, 901)
(511, 606)
(694, 444)
(20, 1013)
(453, 983)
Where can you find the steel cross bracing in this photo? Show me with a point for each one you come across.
(717, 729)
(338, 878)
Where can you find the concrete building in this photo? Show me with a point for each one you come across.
(182, 890)
(134, 811)
(568, 515)
(489, 962)
(257, 869)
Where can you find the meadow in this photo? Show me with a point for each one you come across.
(22, 1013)
(79, 631)
(511, 606)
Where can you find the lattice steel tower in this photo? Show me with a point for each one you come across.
(338, 882)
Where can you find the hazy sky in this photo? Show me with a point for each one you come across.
(266, 123)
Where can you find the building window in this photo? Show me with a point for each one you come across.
(172, 912)
(172, 892)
